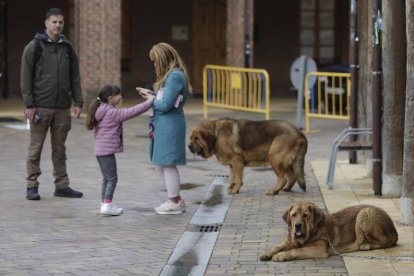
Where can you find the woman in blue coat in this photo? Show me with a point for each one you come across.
(167, 144)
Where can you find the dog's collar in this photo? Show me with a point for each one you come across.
(332, 246)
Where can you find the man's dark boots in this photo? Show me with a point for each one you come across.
(67, 192)
(32, 193)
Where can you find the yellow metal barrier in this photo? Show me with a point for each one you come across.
(236, 88)
(328, 97)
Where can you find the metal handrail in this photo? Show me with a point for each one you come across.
(335, 145)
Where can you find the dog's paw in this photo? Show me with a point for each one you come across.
(281, 257)
(235, 191)
(234, 188)
(265, 257)
(365, 247)
(271, 192)
(230, 191)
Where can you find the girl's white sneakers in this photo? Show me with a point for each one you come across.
(110, 209)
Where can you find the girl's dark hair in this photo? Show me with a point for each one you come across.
(104, 93)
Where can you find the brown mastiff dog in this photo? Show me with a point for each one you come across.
(240, 143)
(313, 234)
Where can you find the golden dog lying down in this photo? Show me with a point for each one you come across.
(361, 227)
(240, 143)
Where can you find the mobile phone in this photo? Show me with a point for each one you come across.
(145, 90)
(36, 118)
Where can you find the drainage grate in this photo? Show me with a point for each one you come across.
(204, 228)
(221, 175)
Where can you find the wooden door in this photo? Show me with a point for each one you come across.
(209, 38)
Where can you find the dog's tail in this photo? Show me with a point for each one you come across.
(299, 163)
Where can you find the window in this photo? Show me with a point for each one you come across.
(317, 30)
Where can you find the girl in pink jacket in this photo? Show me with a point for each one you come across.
(106, 121)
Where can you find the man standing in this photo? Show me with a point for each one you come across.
(49, 82)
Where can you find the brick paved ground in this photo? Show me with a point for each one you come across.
(59, 235)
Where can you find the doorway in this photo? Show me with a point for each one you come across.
(209, 38)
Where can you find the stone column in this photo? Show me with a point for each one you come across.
(237, 11)
(97, 39)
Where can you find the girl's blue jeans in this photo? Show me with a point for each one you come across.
(107, 163)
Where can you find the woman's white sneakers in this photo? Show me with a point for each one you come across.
(110, 209)
(171, 208)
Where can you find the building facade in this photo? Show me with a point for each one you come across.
(113, 37)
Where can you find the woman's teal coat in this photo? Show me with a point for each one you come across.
(168, 145)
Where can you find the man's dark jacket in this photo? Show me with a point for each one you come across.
(51, 79)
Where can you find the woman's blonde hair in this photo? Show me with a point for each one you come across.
(166, 59)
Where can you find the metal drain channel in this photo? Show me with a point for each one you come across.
(193, 251)
(204, 228)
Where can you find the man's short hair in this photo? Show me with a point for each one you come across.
(53, 11)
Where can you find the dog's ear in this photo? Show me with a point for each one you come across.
(286, 216)
(318, 216)
(210, 139)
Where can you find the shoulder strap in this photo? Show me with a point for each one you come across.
(71, 54)
(37, 52)
(70, 50)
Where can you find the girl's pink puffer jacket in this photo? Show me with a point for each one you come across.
(108, 131)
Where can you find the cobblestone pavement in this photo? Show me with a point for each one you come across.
(68, 236)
